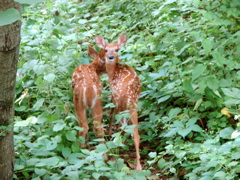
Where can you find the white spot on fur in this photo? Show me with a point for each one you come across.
(84, 97)
(94, 100)
(124, 122)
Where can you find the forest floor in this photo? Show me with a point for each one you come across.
(156, 173)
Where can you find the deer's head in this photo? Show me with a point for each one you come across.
(111, 49)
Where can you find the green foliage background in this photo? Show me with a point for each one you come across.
(187, 56)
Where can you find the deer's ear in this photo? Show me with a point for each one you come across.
(122, 40)
(92, 52)
(100, 42)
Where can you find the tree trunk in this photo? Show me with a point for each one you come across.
(9, 50)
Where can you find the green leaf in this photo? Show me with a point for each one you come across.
(177, 53)
(75, 147)
(141, 68)
(40, 165)
(117, 165)
(79, 164)
(192, 121)
(233, 163)
(36, 178)
(82, 21)
(71, 135)
(101, 148)
(29, 1)
(217, 93)
(74, 158)
(118, 140)
(226, 82)
(219, 58)
(51, 145)
(32, 161)
(52, 161)
(188, 86)
(111, 145)
(196, 128)
(180, 154)
(55, 176)
(196, 3)
(232, 92)
(207, 45)
(220, 175)
(21, 123)
(126, 114)
(9, 16)
(74, 175)
(232, 101)
(32, 120)
(126, 56)
(152, 154)
(202, 85)
(198, 71)
(49, 77)
(226, 133)
(164, 98)
(140, 175)
(52, 117)
(173, 170)
(153, 117)
(228, 92)
(161, 163)
(38, 104)
(129, 129)
(104, 168)
(172, 132)
(66, 152)
(41, 152)
(18, 167)
(28, 121)
(235, 155)
(90, 167)
(96, 175)
(118, 117)
(198, 103)
(184, 132)
(59, 126)
(85, 151)
(40, 172)
(212, 83)
(174, 112)
(178, 124)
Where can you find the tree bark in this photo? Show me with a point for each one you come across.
(9, 51)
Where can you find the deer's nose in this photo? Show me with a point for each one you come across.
(110, 57)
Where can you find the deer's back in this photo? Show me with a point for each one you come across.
(86, 85)
(126, 87)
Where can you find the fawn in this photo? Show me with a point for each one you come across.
(125, 84)
(87, 91)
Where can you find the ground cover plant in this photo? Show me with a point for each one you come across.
(186, 54)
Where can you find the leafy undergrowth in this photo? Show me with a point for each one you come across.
(187, 56)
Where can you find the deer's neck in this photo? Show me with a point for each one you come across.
(98, 65)
(111, 68)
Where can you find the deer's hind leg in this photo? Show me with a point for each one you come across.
(136, 137)
(97, 119)
(80, 111)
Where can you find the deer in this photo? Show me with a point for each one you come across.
(125, 85)
(87, 91)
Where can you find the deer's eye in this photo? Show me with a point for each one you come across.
(106, 50)
(116, 50)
